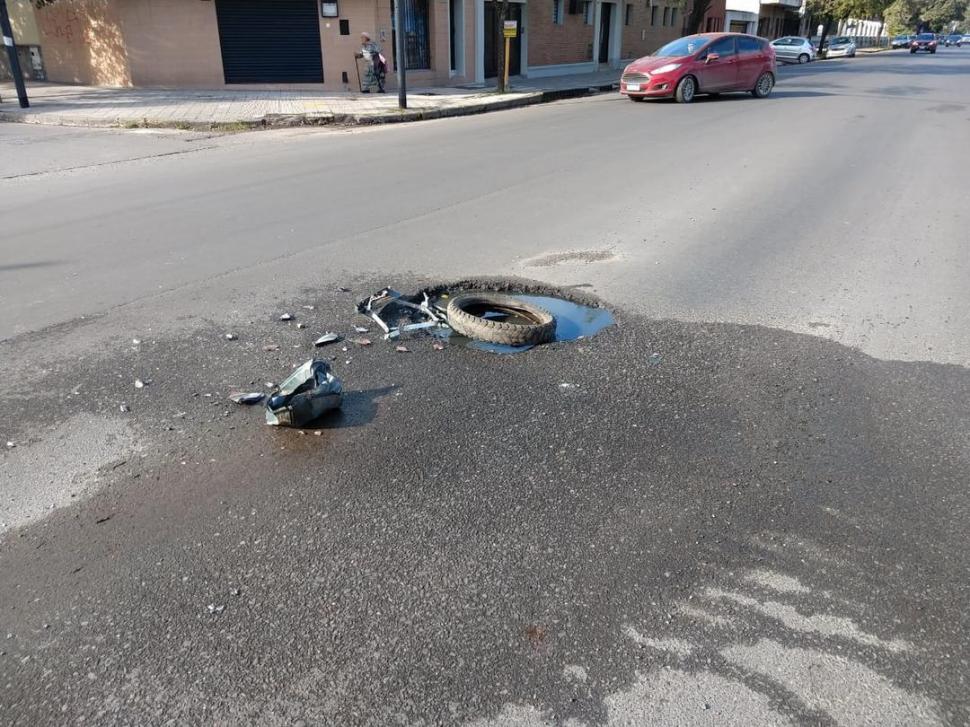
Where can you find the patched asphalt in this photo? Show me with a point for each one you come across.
(756, 526)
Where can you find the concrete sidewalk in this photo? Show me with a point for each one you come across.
(248, 107)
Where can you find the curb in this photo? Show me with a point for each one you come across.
(396, 116)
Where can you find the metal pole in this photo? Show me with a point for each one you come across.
(402, 84)
(18, 77)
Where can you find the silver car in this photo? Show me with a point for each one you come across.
(792, 49)
(841, 46)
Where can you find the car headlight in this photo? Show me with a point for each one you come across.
(665, 69)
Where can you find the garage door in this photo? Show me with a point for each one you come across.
(270, 41)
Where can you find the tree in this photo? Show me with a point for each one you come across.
(901, 17)
(696, 16)
(501, 14)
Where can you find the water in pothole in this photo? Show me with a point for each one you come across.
(573, 321)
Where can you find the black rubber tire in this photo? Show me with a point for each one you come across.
(805, 56)
(761, 88)
(542, 330)
(685, 93)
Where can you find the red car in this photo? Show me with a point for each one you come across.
(925, 42)
(706, 63)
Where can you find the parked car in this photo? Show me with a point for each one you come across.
(840, 45)
(709, 63)
(925, 42)
(793, 49)
(901, 41)
(954, 39)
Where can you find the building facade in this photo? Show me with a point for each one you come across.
(212, 43)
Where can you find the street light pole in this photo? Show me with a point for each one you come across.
(18, 77)
(402, 83)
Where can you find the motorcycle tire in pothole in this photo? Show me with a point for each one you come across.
(519, 323)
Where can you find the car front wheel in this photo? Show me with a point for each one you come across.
(686, 89)
(762, 89)
(803, 58)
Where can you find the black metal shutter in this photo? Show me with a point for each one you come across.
(270, 41)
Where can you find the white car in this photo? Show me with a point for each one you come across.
(792, 49)
(841, 46)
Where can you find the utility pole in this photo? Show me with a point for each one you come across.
(18, 77)
(402, 83)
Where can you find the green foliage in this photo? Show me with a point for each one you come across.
(902, 17)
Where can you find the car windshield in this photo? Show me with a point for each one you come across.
(840, 39)
(925, 36)
(682, 47)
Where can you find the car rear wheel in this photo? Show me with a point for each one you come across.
(762, 89)
(686, 89)
(803, 58)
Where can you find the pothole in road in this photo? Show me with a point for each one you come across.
(501, 322)
(573, 321)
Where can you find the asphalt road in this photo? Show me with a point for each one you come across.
(763, 523)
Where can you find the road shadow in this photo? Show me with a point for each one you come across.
(751, 525)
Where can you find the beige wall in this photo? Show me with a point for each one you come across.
(171, 42)
(81, 42)
(23, 22)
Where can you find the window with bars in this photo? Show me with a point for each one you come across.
(628, 17)
(557, 12)
(653, 14)
(673, 16)
(666, 15)
(417, 36)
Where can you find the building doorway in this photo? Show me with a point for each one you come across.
(606, 25)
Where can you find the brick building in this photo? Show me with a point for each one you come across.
(211, 43)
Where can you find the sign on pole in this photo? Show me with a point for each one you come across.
(511, 28)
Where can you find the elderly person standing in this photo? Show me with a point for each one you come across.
(376, 65)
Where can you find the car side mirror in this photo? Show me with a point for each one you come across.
(711, 57)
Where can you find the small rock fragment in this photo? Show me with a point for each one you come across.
(234, 592)
(361, 341)
(342, 289)
(326, 338)
(362, 329)
(213, 608)
(11, 445)
(271, 347)
(654, 359)
(124, 409)
(402, 349)
(286, 317)
(309, 307)
(139, 384)
(240, 397)
(318, 433)
(301, 325)
(231, 337)
(437, 345)
(567, 385)
(135, 341)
